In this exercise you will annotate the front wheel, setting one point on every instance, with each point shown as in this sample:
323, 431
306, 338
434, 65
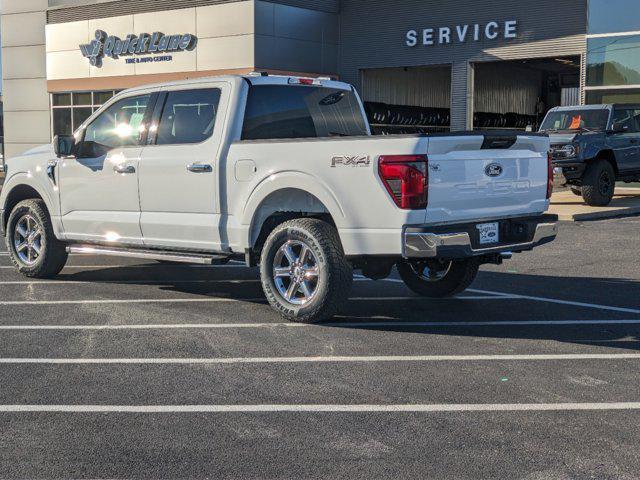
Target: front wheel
439, 279
598, 184
32, 245
305, 275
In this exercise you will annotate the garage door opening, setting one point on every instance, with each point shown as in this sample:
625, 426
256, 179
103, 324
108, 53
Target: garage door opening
407, 100
517, 94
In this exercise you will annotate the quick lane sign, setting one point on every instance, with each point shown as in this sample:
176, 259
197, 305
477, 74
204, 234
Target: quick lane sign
142, 44
462, 33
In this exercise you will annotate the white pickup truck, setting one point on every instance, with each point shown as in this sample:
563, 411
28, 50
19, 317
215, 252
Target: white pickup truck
283, 172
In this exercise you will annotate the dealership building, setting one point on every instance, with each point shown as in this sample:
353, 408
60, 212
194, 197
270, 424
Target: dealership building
471, 63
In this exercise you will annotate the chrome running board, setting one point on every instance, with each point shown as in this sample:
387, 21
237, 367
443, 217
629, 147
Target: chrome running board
167, 256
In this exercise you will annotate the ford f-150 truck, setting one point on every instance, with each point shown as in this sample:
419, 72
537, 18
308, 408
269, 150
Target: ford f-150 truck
284, 173
593, 146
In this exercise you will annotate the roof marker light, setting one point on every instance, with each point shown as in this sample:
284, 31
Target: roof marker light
304, 81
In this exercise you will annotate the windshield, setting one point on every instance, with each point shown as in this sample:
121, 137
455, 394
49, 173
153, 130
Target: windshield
578, 120
286, 111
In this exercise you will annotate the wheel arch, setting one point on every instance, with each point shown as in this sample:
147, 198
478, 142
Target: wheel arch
18, 193
283, 205
292, 194
609, 156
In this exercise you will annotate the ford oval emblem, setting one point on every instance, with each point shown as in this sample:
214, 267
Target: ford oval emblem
493, 170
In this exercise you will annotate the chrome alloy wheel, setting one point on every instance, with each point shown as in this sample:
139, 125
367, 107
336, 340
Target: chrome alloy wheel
295, 272
431, 271
27, 240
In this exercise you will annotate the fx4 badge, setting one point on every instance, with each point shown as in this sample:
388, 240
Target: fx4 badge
346, 161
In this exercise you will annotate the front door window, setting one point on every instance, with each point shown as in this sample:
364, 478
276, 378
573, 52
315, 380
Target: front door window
120, 125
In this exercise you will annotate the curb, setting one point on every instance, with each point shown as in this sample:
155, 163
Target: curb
581, 217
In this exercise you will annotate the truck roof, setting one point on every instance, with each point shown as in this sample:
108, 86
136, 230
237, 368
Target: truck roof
582, 107
257, 78
604, 106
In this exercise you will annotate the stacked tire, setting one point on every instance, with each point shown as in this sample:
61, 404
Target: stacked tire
387, 119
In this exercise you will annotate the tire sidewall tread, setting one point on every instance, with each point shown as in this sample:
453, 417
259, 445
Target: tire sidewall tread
335, 273
459, 277
590, 191
53, 256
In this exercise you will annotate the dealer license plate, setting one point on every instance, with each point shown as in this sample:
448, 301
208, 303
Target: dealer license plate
489, 233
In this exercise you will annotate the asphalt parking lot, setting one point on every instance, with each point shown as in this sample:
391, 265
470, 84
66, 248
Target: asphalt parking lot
121, 369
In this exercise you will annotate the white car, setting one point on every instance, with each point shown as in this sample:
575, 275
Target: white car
283, 172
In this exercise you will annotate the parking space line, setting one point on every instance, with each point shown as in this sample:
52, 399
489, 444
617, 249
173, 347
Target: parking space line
560, 302
515, 296
402, 408
131, 300
485, 294
382, 324
156, 326
329, 359
481, 324
6, 303
126, 282
144, 265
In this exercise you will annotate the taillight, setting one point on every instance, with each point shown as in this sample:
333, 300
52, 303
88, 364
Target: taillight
549, 175
406, 179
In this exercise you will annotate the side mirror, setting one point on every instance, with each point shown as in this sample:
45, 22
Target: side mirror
618, 127
64, 145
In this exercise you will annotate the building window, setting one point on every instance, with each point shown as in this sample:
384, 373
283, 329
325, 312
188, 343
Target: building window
613, 61
596, 97
614, 16
70, 109
613, 52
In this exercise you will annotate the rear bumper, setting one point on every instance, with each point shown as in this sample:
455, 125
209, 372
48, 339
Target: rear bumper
461, 241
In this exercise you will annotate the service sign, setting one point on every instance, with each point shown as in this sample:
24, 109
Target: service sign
136, 46
493, 30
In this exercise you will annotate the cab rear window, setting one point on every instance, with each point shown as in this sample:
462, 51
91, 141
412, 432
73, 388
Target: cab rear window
287, 111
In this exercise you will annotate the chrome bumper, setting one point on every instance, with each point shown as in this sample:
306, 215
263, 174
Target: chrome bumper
459, 245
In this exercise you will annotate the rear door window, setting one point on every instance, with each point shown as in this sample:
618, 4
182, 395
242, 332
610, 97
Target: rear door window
287, 111
188, 116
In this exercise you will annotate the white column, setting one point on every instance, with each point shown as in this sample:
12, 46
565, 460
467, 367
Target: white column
462, 93
24, 79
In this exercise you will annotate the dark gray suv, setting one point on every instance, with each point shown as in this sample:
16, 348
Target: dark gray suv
594, 146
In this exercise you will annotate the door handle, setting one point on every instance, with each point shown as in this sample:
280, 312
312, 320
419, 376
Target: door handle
199, 168
634, 140
124, 169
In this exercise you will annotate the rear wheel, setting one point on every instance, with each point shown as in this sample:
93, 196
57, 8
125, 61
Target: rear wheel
304, 272
32, 245
439, 279
598, 184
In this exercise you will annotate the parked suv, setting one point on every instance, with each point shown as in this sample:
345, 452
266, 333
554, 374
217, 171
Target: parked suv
594, 146
283, 172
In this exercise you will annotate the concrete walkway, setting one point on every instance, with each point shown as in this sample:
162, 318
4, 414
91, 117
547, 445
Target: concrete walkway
571, 208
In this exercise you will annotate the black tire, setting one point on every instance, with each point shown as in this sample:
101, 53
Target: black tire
598, 183
52, 257
576, 191
452, 277
334, 274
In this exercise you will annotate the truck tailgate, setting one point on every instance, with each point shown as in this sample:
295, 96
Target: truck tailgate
477, 177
